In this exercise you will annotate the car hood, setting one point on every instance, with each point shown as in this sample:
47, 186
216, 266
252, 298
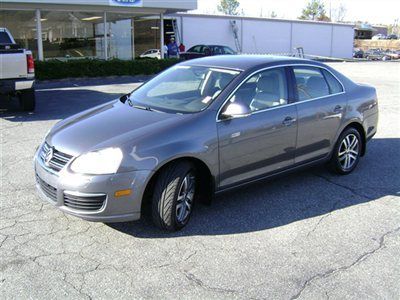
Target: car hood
112, 124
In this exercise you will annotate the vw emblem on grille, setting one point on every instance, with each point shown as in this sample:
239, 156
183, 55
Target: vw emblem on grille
48, 156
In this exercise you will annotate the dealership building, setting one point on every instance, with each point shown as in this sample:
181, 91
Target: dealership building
123, 29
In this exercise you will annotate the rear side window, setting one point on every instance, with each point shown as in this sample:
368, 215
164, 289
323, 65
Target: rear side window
310, 83
228, 50
334, 85
4, 38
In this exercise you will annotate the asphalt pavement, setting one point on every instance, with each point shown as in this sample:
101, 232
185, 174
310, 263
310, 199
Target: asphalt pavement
309, 235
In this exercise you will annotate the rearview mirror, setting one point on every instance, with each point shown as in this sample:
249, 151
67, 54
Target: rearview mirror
236, 110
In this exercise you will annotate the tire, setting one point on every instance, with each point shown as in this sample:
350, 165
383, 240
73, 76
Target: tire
344, 157
27, 100
172, 205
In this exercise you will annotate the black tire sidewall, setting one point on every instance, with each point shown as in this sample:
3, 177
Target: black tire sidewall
27, 100
335, 163
171, 177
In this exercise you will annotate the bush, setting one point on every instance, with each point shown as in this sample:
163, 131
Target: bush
55, 69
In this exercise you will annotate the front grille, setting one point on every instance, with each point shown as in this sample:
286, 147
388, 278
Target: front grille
58, 159
47, 189
86, 202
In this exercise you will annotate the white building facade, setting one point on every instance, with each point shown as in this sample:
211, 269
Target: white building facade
268, 36
123, 29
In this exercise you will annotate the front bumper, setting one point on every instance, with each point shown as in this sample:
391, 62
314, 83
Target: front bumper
55, 187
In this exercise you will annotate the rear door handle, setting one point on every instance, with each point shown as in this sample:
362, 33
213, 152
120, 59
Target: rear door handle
288, 121
338, 109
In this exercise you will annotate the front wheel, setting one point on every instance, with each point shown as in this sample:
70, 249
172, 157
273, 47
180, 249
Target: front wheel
173, 196
347, 152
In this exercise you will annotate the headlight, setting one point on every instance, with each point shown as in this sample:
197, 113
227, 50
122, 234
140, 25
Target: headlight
105, 161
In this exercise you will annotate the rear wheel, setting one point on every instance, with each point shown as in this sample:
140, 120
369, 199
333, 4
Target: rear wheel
173, 197
27, 100
346, 154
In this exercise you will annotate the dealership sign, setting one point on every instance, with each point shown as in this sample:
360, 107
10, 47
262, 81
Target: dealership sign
126, 2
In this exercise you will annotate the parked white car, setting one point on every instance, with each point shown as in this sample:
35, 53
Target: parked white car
151, 53
17, 71
379, 36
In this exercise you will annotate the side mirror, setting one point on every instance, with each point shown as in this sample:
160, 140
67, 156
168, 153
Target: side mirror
236, 110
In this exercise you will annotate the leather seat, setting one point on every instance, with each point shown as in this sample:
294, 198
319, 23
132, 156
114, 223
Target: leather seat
316, 87
222, 82
267, 93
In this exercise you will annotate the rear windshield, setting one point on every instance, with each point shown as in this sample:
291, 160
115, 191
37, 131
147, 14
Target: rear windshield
4, 38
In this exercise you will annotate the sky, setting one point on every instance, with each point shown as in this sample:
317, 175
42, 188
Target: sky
372, 11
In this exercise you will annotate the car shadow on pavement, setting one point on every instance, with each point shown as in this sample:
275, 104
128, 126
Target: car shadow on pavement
299, 196
55, 105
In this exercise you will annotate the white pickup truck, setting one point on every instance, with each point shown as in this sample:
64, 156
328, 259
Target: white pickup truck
17, 71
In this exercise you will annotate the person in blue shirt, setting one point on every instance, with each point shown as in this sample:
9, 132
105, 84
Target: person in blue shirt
173, 49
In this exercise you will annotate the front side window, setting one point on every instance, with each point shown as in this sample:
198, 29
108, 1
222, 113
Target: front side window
264, 90
216, 50
195, 49
182, 89
310, 83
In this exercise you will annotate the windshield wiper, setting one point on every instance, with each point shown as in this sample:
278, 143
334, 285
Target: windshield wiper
148, 108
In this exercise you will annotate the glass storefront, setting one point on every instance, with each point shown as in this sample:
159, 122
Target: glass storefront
76, 35
120, 45
69, 35
147, 33
22, 25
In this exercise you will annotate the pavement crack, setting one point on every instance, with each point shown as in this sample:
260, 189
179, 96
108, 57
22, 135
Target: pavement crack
334, 207
358, 260
198, 282
353, 191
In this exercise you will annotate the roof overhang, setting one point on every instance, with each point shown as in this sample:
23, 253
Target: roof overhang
140, 7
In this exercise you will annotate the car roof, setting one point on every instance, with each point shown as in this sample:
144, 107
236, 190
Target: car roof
245, 62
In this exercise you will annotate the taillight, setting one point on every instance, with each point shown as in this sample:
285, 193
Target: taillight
30, 63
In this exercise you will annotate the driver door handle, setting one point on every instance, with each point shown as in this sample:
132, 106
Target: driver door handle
288, 121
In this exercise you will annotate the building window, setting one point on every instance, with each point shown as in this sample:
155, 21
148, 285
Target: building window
22, 25
72, 35
147, 34
121, 36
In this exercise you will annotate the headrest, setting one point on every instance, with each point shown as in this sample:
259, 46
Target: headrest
223, 81
268, 83
300, 80
317, 85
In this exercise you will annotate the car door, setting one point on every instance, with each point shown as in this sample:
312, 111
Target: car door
263, 141
321, 102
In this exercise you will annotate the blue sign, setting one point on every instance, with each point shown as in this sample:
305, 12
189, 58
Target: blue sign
126, 2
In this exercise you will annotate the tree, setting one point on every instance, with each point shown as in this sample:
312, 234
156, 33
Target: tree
229, 7
340, 13
315, 10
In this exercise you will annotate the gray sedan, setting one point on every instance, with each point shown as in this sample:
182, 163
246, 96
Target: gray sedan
200, 128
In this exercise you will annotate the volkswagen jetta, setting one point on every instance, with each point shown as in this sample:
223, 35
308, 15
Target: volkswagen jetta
203, 127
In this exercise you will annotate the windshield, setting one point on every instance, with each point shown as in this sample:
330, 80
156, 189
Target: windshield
182, 89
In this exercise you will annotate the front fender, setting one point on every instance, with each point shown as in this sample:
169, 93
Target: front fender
154, 158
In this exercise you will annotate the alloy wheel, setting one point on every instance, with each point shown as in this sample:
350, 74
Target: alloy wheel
349, 151
185, 198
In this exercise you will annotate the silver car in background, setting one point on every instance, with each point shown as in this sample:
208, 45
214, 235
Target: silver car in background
199, 128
